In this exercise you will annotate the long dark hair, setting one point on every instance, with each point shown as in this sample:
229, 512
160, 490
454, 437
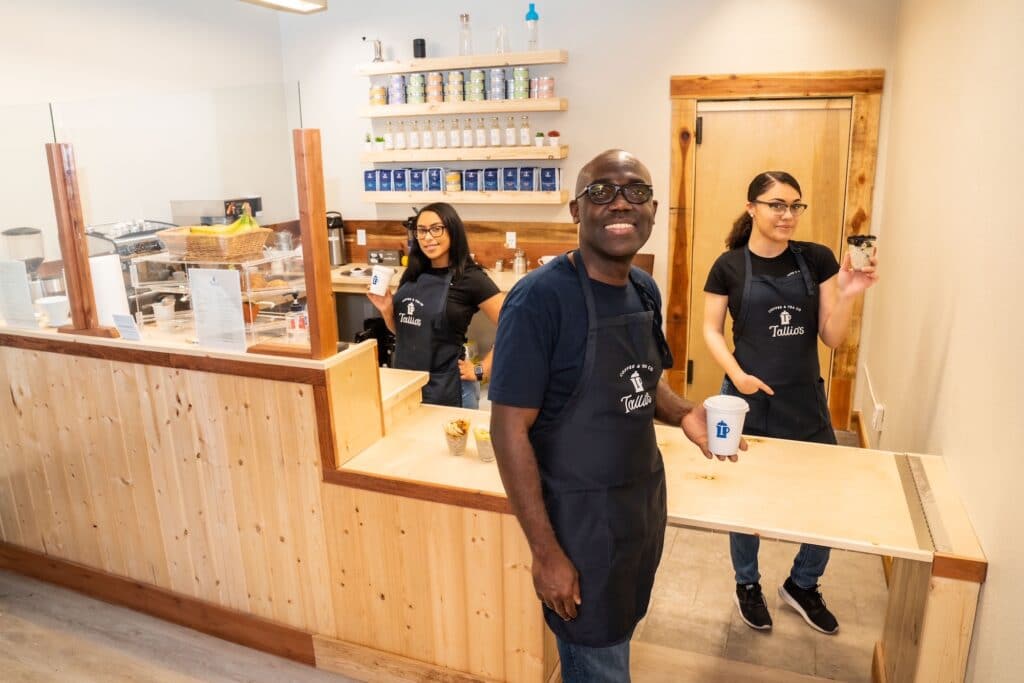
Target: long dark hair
744, 225
458, 253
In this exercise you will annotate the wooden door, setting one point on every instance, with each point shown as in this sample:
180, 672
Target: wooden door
809, 138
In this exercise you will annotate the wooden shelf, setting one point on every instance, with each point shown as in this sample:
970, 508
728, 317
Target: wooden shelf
380, 111
467, 154
421, 198
468, 62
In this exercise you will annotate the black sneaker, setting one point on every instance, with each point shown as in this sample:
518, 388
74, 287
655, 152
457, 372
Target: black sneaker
753, 608
810, 605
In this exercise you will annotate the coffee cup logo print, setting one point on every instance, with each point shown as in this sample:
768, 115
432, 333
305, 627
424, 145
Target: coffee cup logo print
785, 317
638, 384
410, 309
722, 430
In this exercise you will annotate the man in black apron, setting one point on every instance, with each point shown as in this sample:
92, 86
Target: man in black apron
575, 389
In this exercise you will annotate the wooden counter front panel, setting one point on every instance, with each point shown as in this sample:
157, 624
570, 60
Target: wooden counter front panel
450, 586
204, 484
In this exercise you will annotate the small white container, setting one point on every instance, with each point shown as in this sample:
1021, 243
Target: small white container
57, 309
381, 279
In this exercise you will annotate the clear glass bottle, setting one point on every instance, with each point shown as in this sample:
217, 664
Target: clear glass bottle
495, 132
414, 135
428, 135
465, 36
455, 135
389, 137
400, 136
468, 138
481, 133
532, 28
441, 139
525, 138
511, 135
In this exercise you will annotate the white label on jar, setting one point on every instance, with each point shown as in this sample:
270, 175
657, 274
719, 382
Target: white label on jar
442, 139
414, 140
467, 137
399, 140
524, 136
389, 141
510, 137
481, 137
428, 139
455, 137
495, 137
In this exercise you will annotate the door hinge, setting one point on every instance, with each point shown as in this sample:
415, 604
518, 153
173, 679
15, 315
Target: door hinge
689, 372
699, 133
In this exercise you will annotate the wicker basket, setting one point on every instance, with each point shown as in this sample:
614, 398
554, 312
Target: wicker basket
182, 243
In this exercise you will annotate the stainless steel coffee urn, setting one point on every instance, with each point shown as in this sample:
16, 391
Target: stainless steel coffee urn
336, 239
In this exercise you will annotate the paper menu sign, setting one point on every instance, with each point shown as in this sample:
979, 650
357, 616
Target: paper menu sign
217, 307
16, 307
126, 327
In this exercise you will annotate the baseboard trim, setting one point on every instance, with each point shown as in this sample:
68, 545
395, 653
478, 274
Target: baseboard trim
227, 624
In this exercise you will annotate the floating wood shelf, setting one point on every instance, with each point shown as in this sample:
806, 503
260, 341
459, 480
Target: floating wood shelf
421, 198
467, 154
406, 66
380, 111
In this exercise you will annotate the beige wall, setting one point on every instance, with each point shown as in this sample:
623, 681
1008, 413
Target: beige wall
945, 327
620, 61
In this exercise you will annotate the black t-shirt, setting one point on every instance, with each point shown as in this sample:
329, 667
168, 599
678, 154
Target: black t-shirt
464, 298
726, 276
542, 334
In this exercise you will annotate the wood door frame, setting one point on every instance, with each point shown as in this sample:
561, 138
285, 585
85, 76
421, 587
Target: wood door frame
864, 87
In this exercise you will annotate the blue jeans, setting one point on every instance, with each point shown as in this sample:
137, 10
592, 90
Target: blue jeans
808, 566
470, 394
582, 664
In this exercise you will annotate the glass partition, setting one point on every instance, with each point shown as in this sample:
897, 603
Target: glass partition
26, 200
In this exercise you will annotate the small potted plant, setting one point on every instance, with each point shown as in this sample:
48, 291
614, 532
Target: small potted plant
554, 138
368, 143
378, 143
539, 139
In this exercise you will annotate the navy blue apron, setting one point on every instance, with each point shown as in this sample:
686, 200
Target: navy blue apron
776, 337
603, 478
422, 341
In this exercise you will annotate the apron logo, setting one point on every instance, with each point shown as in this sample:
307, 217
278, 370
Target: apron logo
407, 318
411, 308
639, 397
784, 328
721, 430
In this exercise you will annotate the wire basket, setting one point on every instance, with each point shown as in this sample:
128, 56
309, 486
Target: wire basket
182, 243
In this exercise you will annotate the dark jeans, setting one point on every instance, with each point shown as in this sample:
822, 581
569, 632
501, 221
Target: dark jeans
582, 664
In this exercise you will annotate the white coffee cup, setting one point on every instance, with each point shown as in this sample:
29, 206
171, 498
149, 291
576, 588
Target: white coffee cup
725, 423
57, 309
381, 280
862, 249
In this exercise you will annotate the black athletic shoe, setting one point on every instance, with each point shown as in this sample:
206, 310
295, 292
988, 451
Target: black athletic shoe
810, 605
753, 608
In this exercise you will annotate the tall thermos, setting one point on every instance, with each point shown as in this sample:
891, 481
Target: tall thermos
336, 238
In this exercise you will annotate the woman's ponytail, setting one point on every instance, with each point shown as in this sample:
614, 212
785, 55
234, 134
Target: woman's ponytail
740, 233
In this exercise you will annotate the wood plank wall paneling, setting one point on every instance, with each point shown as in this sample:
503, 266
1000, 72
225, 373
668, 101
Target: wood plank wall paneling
448, 585
204, 484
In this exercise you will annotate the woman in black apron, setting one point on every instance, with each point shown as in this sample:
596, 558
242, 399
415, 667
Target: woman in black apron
439, 292
782, 295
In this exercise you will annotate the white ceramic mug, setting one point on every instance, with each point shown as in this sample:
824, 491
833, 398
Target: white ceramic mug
381, 280
57, 309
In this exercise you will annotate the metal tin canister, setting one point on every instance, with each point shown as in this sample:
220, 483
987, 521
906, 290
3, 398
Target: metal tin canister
378, 95
521, 72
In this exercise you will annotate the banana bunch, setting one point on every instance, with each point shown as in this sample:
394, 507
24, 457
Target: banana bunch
245, 223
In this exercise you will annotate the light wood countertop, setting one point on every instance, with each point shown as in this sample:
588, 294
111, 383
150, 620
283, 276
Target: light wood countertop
357, 284
842, 497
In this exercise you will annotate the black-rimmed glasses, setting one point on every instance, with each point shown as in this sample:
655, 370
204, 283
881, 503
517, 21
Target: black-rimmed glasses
435, 230
604, 193
779, 208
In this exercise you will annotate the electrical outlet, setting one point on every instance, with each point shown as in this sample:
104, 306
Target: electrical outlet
510, 240
878, 417
361, 238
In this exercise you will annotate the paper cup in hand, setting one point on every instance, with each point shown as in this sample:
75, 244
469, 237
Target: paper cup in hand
484, 447
381, 280
862, 248
457, 434
725, 423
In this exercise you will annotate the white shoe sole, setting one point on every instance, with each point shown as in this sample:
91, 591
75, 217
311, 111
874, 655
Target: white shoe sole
736, 599
791, 601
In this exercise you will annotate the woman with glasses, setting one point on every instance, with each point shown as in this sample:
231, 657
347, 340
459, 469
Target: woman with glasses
783, 295
439, 292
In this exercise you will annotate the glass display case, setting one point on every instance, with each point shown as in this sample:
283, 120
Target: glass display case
273, 296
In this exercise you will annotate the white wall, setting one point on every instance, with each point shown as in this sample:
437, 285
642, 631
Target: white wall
111, 54
945, 327
617, 78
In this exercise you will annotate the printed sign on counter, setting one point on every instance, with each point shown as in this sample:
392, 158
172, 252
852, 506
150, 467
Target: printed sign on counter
217, 305
126, 327
15, 299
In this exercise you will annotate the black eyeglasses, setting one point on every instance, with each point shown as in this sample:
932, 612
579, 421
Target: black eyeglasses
435, 230
779, 208
604, 193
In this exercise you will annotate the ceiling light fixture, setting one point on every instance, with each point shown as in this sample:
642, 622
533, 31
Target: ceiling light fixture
297, 6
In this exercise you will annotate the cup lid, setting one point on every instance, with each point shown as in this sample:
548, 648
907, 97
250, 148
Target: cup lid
726, 403
860, 239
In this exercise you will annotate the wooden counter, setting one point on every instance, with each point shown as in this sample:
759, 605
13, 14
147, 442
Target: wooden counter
311, 509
